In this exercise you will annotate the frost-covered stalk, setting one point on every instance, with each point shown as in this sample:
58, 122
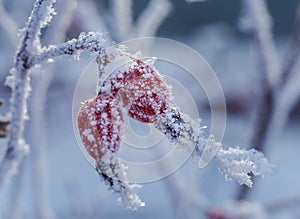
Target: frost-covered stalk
257, 21
122, 18
16, 147
234, 163
152, 17
112, 172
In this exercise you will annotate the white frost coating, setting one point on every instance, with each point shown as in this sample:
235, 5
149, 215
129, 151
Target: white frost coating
28, 55
112, 171
152, 17
235, 163
91, 41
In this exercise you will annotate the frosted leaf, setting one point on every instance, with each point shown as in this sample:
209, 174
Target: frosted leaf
112, 171
238, 164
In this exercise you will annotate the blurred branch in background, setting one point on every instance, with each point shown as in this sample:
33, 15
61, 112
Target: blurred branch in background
152, 17
121, 12
60, 27
257, 21
274, 78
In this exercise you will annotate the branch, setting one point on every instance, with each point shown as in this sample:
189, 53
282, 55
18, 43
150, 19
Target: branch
16, 147
91, 41
25, 59
122, 14
152, 17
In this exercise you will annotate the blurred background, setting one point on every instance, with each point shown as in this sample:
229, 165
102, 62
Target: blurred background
56, 181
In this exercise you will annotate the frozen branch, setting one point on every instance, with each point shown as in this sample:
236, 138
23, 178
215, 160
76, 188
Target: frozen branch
112, 171
234, 163
26, 58
16, 147
122, 14
91, 41
152, 17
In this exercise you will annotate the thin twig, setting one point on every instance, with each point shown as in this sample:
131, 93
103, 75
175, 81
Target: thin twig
91, 41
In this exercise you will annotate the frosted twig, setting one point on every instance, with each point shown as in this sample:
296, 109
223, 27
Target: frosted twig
91, 41
235, 163
112, 171
16, 147
122, 18
41, 15
152, 17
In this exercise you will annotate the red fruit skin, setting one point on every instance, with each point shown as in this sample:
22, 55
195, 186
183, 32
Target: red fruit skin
98, 127
140, 90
